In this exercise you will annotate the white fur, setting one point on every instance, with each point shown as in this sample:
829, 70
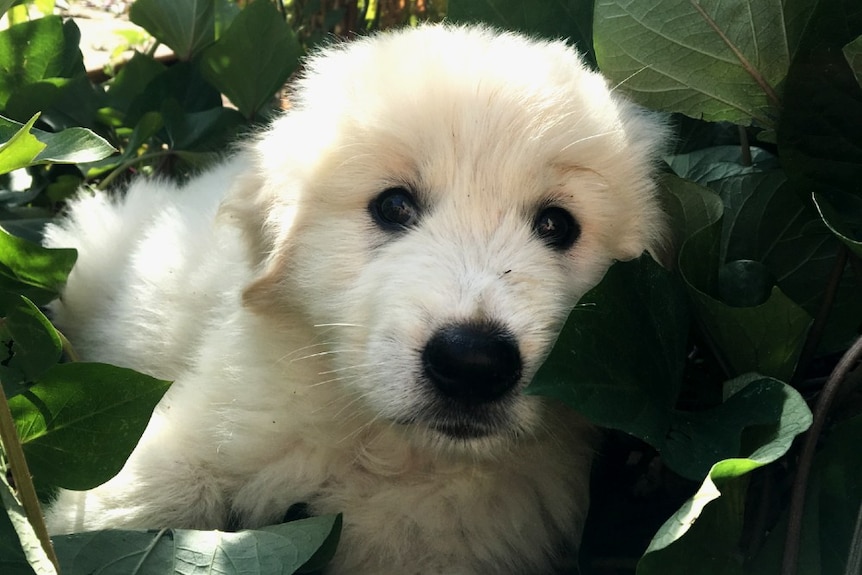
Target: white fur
292, 325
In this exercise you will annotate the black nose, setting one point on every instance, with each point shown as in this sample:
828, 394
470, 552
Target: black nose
472, 363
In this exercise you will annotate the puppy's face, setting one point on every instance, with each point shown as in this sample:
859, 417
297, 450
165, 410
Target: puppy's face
437, 202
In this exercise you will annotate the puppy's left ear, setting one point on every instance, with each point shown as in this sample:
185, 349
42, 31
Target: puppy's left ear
265, 219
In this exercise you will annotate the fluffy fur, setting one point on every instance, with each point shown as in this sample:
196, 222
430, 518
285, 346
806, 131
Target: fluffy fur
295, 326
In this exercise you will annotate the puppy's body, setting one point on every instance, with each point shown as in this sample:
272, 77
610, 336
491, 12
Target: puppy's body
311, 326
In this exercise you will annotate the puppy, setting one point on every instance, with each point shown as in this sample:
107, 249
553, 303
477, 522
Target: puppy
351, 306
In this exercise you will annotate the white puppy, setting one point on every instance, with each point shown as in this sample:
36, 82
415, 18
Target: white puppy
351, 306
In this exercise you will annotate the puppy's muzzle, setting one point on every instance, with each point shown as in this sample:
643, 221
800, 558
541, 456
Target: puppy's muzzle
472, 364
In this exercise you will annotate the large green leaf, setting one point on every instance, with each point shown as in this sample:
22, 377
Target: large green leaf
282, 549
765, 222
820, 136
185, 26
253, 58
620, 356
707, 59
703, 536
554, 19
766, 338
31, 270
29, 52
80, 421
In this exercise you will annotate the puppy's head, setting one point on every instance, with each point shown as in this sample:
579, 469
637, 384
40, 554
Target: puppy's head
439, 198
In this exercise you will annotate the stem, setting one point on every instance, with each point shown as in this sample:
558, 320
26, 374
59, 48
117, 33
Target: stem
800, 484
104, 184
815, 335
23, 481
744, 147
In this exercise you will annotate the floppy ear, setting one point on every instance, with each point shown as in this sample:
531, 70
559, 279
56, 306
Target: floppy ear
265, 219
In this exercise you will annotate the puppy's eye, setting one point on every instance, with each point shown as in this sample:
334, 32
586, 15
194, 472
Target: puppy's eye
394, 209
557, 228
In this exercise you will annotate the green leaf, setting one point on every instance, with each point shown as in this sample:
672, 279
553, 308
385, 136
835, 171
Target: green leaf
620, 356
253, 58
710, 164
62, 102
280, 549
80, 421
29, 52
186, 27
843, 217
20, 147
766, 222
131, 81
21, 551
31, 270
833, 498
820, 136
571, 19
853, 55
34, 345
70, 146
690, 206
766, 338
208, 130
707, 59
697, 440
703, 536
320, 534
182, 82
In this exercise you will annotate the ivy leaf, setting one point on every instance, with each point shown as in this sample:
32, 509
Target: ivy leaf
253, 58
31, 51
79, 422
185, 27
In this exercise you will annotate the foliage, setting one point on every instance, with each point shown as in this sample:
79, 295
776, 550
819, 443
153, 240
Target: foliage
703, 373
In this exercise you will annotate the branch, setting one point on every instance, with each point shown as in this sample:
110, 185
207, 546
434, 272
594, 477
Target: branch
23, 481
800, 484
